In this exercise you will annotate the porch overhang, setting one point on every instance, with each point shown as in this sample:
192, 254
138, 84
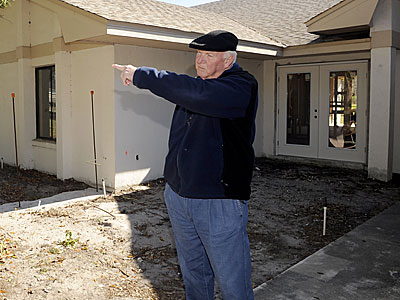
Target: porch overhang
346, 16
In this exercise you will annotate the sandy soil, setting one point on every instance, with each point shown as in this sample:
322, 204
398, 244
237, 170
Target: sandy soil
122, 247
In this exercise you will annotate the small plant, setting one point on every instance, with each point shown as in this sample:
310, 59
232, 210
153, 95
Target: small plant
5, 3
54, 250
69, 241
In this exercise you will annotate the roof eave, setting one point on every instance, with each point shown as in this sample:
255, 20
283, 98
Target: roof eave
167, 36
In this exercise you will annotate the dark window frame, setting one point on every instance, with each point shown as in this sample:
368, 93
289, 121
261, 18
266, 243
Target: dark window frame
52, 112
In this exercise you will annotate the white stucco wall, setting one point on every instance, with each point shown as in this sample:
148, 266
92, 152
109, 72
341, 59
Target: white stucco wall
256, 68
143, 120
8, 85
8, 29
25, 24
91, 70
41, 27
44, 26
45, 157
396, 134
269, 113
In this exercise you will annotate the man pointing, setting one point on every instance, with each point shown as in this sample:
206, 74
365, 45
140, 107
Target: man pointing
209, 165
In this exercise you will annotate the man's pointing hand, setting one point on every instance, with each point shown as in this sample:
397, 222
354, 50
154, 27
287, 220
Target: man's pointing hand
127, 73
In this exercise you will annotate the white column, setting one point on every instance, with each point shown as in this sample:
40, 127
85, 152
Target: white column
381, 123
63, 114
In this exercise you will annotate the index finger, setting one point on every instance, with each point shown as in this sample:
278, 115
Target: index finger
119, 67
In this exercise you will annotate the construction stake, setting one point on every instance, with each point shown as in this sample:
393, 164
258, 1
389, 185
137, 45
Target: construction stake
15, 131
16, 147
94, 142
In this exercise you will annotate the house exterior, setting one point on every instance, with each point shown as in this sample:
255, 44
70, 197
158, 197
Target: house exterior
327, 81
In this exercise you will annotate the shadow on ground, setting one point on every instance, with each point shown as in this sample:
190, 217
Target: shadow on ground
133, 238
285, 218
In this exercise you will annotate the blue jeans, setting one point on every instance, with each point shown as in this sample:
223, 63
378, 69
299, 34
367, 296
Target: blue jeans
211, 241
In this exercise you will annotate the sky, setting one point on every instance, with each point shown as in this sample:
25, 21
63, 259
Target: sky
187, 2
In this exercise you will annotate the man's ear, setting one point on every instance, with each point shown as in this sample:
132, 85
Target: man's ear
228, 62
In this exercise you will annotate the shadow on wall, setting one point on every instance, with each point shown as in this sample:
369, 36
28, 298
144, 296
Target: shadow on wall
141, 135
145, 104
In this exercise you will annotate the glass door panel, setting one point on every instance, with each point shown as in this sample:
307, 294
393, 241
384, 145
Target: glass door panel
298, 108
298, 111
343, 106
343, 109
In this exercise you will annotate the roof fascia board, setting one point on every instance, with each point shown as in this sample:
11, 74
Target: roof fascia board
160, 34
329, 48
348, 15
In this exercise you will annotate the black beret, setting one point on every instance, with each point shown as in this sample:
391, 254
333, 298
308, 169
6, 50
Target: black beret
217, 40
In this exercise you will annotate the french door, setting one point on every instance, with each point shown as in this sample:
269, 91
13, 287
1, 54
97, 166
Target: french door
322, 111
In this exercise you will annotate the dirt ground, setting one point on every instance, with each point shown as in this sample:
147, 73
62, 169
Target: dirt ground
122, 247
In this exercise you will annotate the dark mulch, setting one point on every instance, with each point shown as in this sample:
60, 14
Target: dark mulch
25, 185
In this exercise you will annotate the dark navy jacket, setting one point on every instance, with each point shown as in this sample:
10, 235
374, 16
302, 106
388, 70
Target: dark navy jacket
212, 131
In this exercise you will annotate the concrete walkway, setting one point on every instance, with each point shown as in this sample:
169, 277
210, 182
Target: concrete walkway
59, 199
364, 264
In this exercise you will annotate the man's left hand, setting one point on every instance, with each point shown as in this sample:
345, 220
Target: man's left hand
127, 73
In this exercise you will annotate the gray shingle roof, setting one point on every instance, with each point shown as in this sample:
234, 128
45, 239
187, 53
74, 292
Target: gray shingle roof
160, 14
281, 20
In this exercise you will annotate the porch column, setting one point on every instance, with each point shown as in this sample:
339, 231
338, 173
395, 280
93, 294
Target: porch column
381, 122
384, 41
64, 110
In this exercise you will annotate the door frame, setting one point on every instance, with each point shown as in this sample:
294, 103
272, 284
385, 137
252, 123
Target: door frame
291, 149
359, 153
320, 149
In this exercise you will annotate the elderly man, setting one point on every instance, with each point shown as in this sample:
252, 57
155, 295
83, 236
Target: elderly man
209, 165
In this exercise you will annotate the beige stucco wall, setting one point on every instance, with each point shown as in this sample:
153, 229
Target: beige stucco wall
22, 25
8, 82
8, 29
142, 120
256, 68
44, 26
8, 85
396, 134
44, 157
269, 113
91, 70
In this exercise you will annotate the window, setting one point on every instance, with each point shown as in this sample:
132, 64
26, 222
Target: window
45, 103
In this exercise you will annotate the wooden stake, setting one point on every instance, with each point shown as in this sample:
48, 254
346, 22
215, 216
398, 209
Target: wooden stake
16, 148
94, 142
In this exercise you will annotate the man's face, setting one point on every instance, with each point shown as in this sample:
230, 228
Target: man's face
210, 64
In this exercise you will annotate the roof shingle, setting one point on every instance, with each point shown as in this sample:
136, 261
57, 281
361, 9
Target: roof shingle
160, 14
280, 20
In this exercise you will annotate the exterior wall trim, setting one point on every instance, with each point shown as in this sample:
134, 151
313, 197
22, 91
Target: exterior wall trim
328, 47
8, 57
386, 38
46, 49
